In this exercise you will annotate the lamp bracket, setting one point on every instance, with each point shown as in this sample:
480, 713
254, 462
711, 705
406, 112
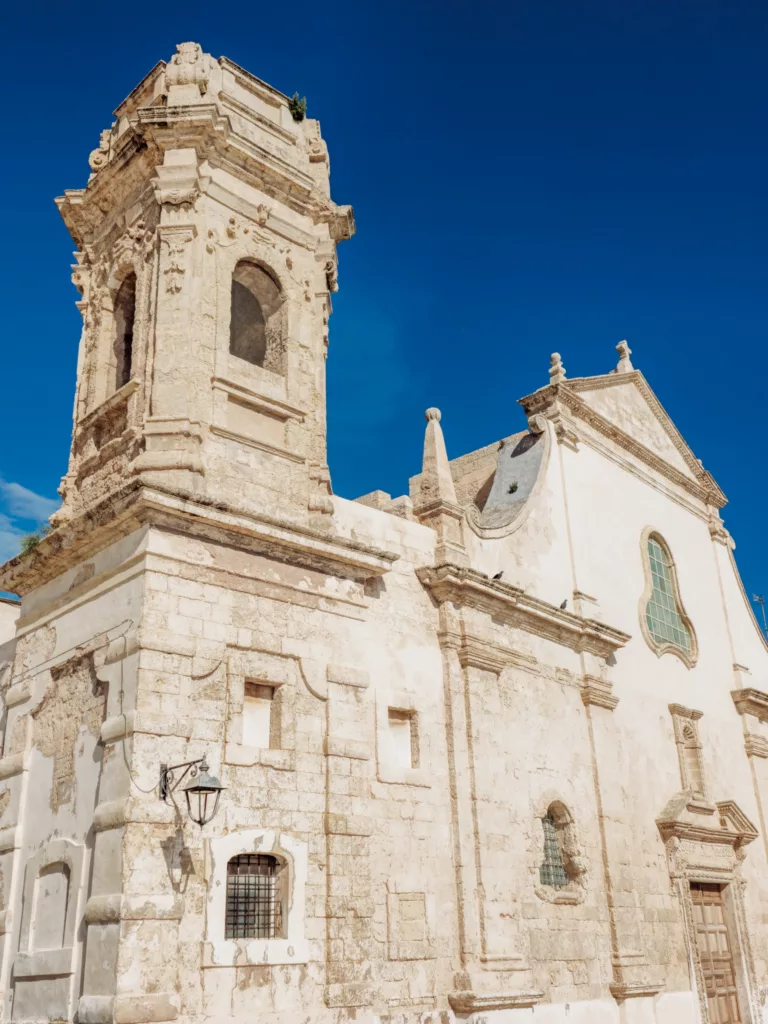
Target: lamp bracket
168, 780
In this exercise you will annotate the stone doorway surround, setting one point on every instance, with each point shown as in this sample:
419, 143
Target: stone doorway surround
706, 843
714, 943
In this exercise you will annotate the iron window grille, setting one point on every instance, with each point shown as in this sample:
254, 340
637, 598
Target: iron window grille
552, 871
253, 908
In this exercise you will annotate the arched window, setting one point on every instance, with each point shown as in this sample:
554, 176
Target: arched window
255, 897
667, 624
552, 871
561, 866
256, 323
125, 314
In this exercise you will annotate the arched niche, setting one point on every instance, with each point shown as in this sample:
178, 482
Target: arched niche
257, 319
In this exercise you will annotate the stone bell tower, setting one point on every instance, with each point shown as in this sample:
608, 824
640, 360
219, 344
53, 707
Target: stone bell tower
207, 255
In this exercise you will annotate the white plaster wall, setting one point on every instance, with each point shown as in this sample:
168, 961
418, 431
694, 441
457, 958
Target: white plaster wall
9, 613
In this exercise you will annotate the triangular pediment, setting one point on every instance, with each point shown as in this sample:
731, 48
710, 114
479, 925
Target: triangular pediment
690, 817
627, 402
735, 820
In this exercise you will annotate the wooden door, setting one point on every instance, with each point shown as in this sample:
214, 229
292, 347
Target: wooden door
715, 953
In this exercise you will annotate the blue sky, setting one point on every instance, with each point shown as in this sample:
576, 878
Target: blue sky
527, 176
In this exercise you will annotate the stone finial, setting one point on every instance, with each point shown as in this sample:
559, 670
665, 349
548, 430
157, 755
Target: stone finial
625, 364
556, 369
436, 480
187, 74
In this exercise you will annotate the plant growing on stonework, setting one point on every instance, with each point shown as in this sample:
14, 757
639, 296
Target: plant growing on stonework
30, 542
298, 107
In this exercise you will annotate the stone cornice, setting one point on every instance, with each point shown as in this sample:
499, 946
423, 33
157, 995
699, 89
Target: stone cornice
208, 130
512, 605
138, 505
473, 1002
621, 990
475, 652
751, 702
552, 400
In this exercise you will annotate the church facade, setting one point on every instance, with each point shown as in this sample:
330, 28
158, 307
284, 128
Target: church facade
493, 751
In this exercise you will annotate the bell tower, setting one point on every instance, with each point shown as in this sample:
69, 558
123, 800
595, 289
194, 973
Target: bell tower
206, 260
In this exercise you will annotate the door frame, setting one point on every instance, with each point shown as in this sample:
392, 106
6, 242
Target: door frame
713, 853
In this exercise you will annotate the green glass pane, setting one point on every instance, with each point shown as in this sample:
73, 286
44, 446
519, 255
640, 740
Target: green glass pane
665, 623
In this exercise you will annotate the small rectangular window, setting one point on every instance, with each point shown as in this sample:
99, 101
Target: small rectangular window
261, 716
403, 738
253, 907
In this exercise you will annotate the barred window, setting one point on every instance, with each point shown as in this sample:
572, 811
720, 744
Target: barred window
664, 616
254, 905
552, 871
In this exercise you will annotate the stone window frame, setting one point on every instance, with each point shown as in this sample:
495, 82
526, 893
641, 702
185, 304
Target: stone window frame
686, 726
294, 948
30, 962
270, 355
398, 700
574, 859
102, 369
660, 648
280, 674
241, 247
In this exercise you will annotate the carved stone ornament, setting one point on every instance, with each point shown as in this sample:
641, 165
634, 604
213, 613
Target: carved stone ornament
177, 196
136, 242
188, 66
316, 148
234, 232
174, 268
556, 369
624, 364
318, 151
100, 157
81, 274
320, 488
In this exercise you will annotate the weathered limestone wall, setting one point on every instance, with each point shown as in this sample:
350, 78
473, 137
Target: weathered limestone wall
442, 674
57, 775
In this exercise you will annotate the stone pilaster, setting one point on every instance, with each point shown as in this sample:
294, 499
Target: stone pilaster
349, 743
485, 980
632, 975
